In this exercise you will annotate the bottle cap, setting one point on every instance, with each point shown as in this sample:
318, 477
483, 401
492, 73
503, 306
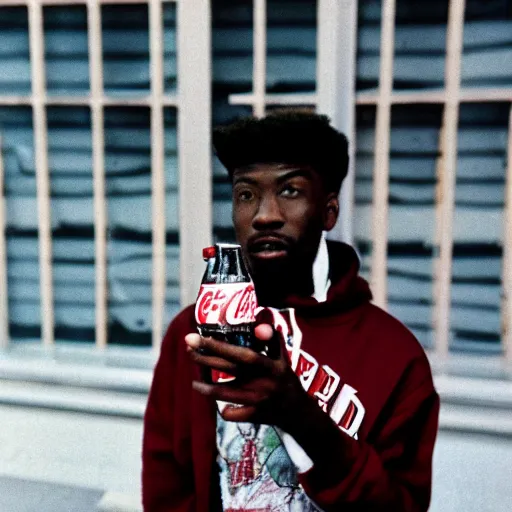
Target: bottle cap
209, 252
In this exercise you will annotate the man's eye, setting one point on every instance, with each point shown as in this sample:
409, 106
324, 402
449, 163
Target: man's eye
245, 195
290, 191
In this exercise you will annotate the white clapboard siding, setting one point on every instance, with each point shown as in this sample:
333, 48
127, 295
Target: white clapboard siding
482, 67
68, 41
476, 294
285, 12
282, 12
128, 292
425, 140
135, 317
415, 224
134, 179
467, 319
120, 250
239, 40
302, 39
420, 168
63, 163
120, 292
125, 212
80, 249
74, 71
139, 269
421, 10
130, 276
477, 34
63, 249
488, 267
488, 194
67, 292
116, 138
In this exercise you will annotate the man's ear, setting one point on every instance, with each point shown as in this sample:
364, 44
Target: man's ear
332, 210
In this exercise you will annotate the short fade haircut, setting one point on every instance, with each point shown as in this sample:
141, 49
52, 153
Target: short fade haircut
294, 137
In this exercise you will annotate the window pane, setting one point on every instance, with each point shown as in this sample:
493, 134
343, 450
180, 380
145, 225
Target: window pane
128, 188
363, 191
487, 60
14, 51
170, 71
172, 297
420, 61
478, 228
232, 40
412, 194
125, 49
368, 45
412, 184
22, 224
130, 250
66, 50
72, 212
291, 42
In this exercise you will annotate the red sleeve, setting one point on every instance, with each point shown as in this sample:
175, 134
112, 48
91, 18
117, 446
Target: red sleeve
167, 475
392, 470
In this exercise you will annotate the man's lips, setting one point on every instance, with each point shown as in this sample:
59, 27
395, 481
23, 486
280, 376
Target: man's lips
268, 247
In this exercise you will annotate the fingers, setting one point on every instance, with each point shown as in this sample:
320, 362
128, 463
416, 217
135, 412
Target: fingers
193, 340
230, 353
264, 332
246, 414
227, 393
216, 363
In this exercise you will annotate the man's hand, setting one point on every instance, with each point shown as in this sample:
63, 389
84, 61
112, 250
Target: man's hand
267, 389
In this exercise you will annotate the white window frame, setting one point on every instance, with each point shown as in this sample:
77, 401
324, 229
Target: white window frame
335, 96
193, 103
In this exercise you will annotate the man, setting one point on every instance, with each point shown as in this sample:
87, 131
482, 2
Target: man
345, 419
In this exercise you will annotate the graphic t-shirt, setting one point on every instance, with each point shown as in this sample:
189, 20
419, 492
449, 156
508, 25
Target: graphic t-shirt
256, 472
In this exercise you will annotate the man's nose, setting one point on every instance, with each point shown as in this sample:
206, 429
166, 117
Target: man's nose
269, 214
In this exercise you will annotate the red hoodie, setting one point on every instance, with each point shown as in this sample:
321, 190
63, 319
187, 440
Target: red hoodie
369, 374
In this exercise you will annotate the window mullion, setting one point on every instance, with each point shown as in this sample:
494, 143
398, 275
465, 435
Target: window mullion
380, 211
194, 141
37, 65
4, 303
157, 169
445, 198
336, 70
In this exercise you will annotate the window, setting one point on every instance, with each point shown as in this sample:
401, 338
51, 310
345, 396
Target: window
111, 190
97, 217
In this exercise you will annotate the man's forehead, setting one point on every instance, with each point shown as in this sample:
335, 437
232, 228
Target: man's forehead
274, 169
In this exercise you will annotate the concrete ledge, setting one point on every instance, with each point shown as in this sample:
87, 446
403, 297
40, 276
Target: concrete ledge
120, 502
61, 398
468, 404
475, 420
53, 372
474, 392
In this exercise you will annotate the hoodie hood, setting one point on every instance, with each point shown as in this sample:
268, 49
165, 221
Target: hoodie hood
347, 291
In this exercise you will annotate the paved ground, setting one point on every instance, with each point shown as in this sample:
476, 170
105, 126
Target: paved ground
28, 496
88, 454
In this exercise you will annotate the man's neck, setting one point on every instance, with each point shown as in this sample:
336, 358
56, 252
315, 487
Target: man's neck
272, 291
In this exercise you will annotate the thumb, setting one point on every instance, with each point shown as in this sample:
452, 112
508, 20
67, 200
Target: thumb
273, 340
264, 332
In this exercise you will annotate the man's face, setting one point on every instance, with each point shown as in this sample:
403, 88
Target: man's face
279, 213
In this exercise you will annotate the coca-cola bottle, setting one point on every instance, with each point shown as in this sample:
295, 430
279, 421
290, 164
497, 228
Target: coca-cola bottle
226, 304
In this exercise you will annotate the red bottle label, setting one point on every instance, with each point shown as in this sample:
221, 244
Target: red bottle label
226, 304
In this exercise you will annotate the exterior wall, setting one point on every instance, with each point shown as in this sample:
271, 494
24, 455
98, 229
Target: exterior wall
291, 68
